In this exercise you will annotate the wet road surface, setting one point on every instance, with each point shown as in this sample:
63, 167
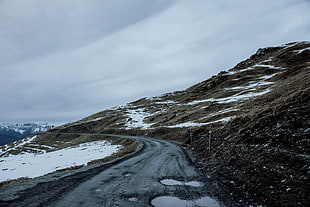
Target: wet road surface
134, 181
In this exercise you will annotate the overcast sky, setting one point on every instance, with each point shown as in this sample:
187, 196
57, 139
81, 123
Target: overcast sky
62, 60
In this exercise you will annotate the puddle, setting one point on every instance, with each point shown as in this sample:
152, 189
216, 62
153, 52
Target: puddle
170, 201
133, 199
176, 182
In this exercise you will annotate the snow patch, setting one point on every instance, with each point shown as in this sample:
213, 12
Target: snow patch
221, 112
199, 101
34, 165
226, 119
234, 98
254, 67
240, 97
266, 77
165, 102
23, 142
194, 124
135, 119
301, 50
186, 124
268, 66
251, 86
92, 120
176, 182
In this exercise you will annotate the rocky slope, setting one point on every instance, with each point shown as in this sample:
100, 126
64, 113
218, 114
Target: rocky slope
248, 127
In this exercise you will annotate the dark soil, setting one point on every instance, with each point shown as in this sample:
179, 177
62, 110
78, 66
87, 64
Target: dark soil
262, 157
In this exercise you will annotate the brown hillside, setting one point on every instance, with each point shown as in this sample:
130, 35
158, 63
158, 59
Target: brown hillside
249, 127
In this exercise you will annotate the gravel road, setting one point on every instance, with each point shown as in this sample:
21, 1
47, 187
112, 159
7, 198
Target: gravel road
134, 181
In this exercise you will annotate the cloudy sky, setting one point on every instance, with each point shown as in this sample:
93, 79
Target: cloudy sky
61, 60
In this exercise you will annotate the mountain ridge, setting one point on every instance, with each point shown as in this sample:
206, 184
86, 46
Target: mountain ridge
255, 80
10, 132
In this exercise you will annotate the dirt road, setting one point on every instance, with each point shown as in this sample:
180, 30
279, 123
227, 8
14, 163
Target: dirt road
159, 175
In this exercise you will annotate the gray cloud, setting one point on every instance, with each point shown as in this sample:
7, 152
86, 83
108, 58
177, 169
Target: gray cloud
35, 28
68, 59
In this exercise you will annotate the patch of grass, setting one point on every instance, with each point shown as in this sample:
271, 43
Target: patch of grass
9, 182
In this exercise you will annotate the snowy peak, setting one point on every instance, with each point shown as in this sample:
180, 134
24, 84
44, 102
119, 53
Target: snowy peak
21, 129
11, 132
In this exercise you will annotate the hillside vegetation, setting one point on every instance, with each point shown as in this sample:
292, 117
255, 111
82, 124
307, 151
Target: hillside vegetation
248, 127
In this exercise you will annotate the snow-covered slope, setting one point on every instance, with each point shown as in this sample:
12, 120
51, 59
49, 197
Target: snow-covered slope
40, 162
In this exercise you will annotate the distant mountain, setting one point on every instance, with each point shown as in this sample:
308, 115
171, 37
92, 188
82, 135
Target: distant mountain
10, 132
